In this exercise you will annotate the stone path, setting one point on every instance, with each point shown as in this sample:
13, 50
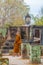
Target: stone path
19, 61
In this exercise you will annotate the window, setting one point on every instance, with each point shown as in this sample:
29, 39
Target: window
37, 33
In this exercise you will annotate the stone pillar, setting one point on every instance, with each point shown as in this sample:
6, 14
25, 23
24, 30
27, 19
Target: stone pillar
8, 37
25, 50
27, 33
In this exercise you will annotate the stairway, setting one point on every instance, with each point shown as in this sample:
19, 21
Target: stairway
7, 46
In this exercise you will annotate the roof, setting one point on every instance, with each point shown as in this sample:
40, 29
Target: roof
36, 26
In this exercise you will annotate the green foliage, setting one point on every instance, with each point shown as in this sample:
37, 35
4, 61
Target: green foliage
3, 31
35, 53
38, 21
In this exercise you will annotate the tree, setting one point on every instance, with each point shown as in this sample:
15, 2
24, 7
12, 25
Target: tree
39, 21
12, 10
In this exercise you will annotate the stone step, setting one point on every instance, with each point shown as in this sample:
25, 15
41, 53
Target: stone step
7, 46
11, 47
5, 51
5, 54
9, 41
